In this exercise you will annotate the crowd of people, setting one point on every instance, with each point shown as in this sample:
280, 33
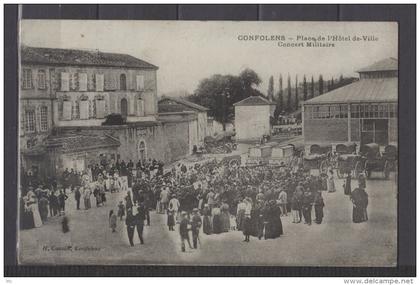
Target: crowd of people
215, 196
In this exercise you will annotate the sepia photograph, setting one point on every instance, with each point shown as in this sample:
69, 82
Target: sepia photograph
225, 143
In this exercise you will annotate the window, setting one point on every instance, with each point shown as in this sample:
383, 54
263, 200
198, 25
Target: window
83, 81
67, 110
65, 81
100, 109
84, 109
99, 80
44, 118
123, 82
30, 121
42, 78
139, 82
140, 107
27, 79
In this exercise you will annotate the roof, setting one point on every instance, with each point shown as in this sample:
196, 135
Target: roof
82, 142
179, 101
365, 90
253, 101
382, 65
56, 56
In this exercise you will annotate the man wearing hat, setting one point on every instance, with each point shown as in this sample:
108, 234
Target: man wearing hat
174, 206
183, 231
195, 226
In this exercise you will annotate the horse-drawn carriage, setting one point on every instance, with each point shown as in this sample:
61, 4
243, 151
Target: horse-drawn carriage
348, 161
377, 162
318, 158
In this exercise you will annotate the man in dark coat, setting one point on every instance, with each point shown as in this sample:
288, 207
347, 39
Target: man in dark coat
360, 200
62, 197
195, 226
183, 231
77, 196
307, 207
319, 207
130, 222
139, 219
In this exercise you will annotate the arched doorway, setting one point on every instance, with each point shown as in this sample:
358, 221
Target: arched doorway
124, 108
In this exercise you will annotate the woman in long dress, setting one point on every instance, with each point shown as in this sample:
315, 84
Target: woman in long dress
207, 227
273, 227
32, 205
217, 221
225, 217
347, 184
240, 215
360, 200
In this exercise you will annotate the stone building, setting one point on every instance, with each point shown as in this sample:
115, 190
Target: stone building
65, 98
362, 112
252, 118
175, 109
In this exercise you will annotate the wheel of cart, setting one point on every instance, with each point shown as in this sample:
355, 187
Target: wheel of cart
359, 168
375, 161
347, 160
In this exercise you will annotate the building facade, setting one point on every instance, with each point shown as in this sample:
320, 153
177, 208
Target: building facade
65, 98
362, 112
252, 118
174, 109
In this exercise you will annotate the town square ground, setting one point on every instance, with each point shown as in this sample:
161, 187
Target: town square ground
336, 242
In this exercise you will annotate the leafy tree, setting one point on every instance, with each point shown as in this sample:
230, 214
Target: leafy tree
270, 91
305, 89
279, 106
220, 92
321, 85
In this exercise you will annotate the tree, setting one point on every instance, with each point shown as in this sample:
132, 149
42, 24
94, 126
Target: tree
279, 106
312, 87
296, 94
321, 85
270, 91
220, 92
289, 94
305, 89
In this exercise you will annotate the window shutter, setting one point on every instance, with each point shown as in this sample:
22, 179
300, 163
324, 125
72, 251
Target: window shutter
67, 109
99, 78
100, 109
22, 121
84, 110
83, 81
131, 106
139, 82
65, 86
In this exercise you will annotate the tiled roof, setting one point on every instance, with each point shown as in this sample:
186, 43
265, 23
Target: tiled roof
81, 142
56, 56
382, 65
253, 100
365, 90
181, 101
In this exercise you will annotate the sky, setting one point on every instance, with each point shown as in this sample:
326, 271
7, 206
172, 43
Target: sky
189, 51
